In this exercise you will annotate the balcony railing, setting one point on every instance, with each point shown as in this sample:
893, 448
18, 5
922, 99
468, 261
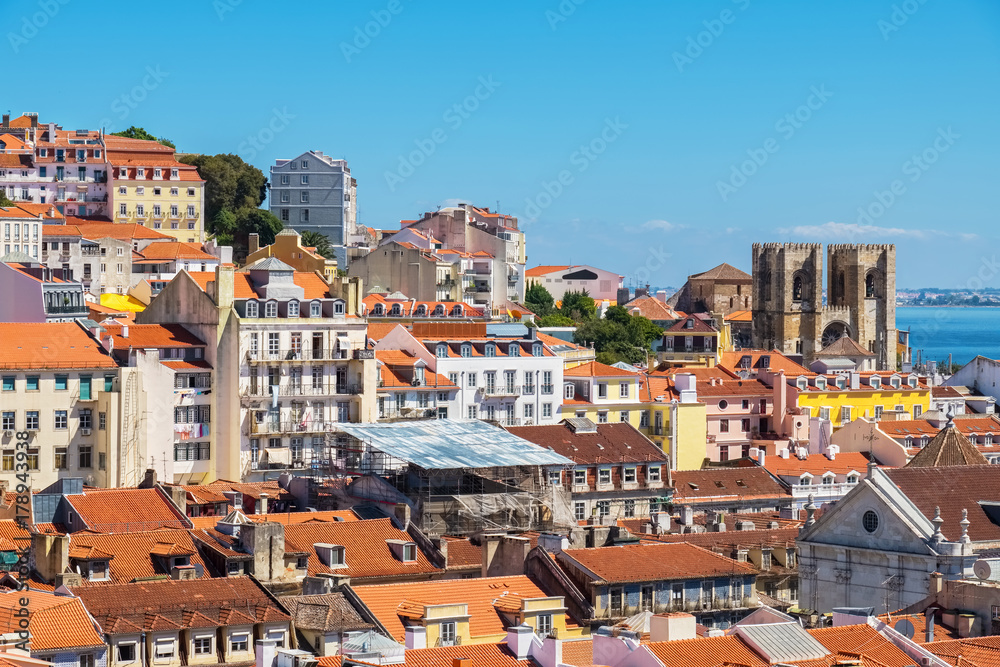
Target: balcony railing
288, 427
308, 354
304, 389
547, 388
501, 390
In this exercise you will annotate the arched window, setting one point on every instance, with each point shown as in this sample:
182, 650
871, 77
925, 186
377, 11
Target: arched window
271, 309
396, 310
442, 350
338, 308
456, 310
252, 309
466, 350
536, 350
514, 350
439, 311
870, 285
378, 310
797, 288
491, 350
315, 309
421, 310
293, 308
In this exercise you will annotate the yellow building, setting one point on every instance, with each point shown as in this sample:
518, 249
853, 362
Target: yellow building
676, 421
288, 248
872, 395
602, 394
150, 187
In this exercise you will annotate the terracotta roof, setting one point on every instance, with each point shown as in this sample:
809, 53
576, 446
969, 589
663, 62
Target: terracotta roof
543, 270
29, 346
612, 443
724, 273
176, 604
706, 652
716, 484
698, 325
119, 231
967, 426
462, 553
776, 362
731, 538
365, 549
817, 464
971, 652
597, 369
919, 621
844, 347
948, 448
16, 160
378, 330
324, 613
953, 489
653, 562
739, 316
193, 365
61, 230
133, 553
478, 655
480, 594
22, 121
653, 309
152, 335
254, 489
56, 621
174, 250
314, 287
118, 510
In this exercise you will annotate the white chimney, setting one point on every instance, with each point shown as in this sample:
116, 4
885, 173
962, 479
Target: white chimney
784, 453
754, 451
671, 627
831, 452
687, 515
266, 652
416, 636
760, 458
124, 331
519, 640
553, 543
802, 453
661, 295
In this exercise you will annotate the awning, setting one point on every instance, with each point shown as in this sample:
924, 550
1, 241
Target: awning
279, 455
343, 343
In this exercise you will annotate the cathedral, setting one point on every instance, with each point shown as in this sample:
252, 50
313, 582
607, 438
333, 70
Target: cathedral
789, 312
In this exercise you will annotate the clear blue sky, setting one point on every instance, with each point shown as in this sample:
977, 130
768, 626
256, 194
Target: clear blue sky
889, 86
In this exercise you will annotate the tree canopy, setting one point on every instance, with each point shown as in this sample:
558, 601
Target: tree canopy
4, 201
140, 133
318, 240
539, 300
578, 306
621, 337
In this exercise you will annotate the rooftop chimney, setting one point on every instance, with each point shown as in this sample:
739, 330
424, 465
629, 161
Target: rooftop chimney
661, 295
124, 331
416, 636
519, 640
671, 627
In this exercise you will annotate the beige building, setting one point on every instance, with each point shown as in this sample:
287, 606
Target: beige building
289, 356
288, 248
415, 272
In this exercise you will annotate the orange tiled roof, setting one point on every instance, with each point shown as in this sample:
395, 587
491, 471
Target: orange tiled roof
30, 346
778, 361
653, 562
133, 553
543, 270
462, 553
653, 309
479, 655
175, 250
612, 443
61, 230
739, 316
817, 464
597, 369
15, 160
119, 231
715, 484
117, 510
253, 489
971, 652
480, 594
22, 121
314, 286
56, 621
366, 552
153, 335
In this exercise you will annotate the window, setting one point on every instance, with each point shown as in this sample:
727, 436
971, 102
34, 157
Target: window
604, 476
102, 420
723, 426
190, 192
305, 164
845, 414
579, 477
472, 380
472, 412
514, 350
490, 350
869, 521
31, 420
305, 179
623, 416
744, 425
447, 634
61, 458
623, 389
602, 417
644, 419
202, 645
544, 624
546, 410
293, 308
284, 179
603, 507
629, 508
86, 418
304, 197
87, 660
164, 649
602, 390
239, 643
271, 309
8, 420
442, 350
568, 391
579, 509
529, 410
126, 652
630, 475
653, 474
86, 456
615, 601
61, 421
61, 382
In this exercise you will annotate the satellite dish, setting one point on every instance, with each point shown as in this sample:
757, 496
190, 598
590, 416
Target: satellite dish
983, 568
905, 628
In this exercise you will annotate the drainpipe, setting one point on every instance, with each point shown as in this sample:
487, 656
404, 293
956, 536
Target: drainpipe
673, 434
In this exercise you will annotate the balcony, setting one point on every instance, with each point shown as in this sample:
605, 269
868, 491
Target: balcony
311, 354
305, 389
501, 390
80, 310
547, 389
408, 413
528, 389
290, 427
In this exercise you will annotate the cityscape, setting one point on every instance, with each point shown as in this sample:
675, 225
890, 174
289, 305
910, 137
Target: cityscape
278, 398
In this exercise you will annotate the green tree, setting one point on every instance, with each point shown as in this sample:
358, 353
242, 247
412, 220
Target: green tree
617, 314
578, 306
555, 320
255, 221
4, 202
230, 183
539, 300
140, 133
314, 239
223, 227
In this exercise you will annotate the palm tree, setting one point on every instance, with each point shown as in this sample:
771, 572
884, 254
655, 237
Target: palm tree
314, 239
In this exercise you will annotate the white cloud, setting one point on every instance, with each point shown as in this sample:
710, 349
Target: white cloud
662, 225
732, 230
849, 231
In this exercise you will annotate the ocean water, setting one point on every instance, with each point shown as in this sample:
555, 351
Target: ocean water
962, 332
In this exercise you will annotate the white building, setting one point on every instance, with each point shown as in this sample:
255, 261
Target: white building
505, 373
558, 280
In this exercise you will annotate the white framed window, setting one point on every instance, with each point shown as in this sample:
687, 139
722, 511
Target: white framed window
446, 634
604, 475
251, 309
271, 309
630, 474
293, 308
164, 648
653, 473
315, 309
568, 391
546, 410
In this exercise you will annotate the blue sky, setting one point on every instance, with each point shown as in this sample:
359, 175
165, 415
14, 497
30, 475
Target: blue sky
656, 139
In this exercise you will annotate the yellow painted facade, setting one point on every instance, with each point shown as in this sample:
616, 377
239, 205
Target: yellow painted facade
173, 207
288, 248
845, 405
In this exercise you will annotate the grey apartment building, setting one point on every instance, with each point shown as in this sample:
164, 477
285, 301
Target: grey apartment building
316, 192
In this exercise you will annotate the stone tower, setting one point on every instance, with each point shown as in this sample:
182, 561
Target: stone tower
788, 310
862, 278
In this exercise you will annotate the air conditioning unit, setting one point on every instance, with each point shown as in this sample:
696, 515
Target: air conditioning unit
85, 431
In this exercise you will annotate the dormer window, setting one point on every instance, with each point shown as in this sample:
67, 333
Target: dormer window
828, 479
805, 480
251, 309
912, 381
456, 311
821, 382
181, 560
490, 350
852, 479
331, 555
338, 308
396, 310
802, 383
514, 350
689, 324
421, 311
536, 350
378, 310
568, 391
875, 381
271, 309
315, 309
466, 350
841, 383
895, 382
98, 570
442, 350
293, 308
